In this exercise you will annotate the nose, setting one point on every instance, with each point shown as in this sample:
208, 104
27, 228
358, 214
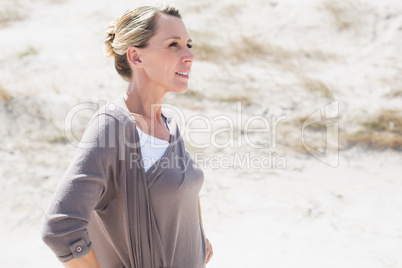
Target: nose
188, 56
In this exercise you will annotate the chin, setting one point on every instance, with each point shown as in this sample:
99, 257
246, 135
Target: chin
180, 90
183, 91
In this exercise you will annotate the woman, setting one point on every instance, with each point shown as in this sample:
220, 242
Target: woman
126, 200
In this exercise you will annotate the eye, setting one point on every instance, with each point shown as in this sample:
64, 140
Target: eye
189, 45
174, 44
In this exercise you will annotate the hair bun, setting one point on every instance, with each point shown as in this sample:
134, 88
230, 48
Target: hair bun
111, 33
134, 28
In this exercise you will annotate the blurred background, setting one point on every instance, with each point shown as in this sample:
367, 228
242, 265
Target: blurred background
329, 193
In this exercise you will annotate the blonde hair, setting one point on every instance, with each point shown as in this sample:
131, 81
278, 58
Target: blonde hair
134, 28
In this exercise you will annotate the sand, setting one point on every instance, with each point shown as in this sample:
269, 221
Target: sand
261, 65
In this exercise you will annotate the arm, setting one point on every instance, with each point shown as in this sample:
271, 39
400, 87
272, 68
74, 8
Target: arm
210, 252
88, 261
200, 215
83, 189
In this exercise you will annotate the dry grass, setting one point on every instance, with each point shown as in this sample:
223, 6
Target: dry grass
237, 98
246, 48
208, 47
231, 10
383, 130
380, 131
289, 136
195, 7
244, 99
207, 52
204, 45
15, 10
11, 10
29, 51
194, 94
343, 12
316, 86
314, 134
395, 94
380, 140
4, 95
388, 120
298, 123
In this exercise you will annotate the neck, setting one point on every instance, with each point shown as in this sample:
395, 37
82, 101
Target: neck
144, 99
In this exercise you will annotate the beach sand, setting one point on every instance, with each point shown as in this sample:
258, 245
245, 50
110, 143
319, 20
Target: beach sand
278, 192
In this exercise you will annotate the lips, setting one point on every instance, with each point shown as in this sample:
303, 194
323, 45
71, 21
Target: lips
183, 74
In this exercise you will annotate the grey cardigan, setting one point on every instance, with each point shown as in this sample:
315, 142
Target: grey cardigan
104, 201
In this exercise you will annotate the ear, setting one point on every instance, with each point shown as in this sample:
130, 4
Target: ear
133, 57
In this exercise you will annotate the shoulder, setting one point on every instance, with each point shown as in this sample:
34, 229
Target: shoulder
110, 122
114, 110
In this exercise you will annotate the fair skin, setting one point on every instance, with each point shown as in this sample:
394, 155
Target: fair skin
161, 67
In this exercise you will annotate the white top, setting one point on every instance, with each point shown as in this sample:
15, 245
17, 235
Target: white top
152, 149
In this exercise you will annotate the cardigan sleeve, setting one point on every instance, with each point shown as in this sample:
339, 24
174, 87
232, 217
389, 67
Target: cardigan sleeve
88, 184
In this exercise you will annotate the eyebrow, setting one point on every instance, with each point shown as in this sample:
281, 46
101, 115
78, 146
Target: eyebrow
178, 38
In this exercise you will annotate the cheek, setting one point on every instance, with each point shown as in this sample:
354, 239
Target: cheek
163, 64
169, 60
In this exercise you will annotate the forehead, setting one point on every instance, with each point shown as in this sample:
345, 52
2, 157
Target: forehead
168, 26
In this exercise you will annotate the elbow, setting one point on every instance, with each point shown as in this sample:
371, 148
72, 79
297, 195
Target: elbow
51, 232
66, 239
48, 237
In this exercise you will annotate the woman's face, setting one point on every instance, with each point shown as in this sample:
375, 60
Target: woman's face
167, 59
